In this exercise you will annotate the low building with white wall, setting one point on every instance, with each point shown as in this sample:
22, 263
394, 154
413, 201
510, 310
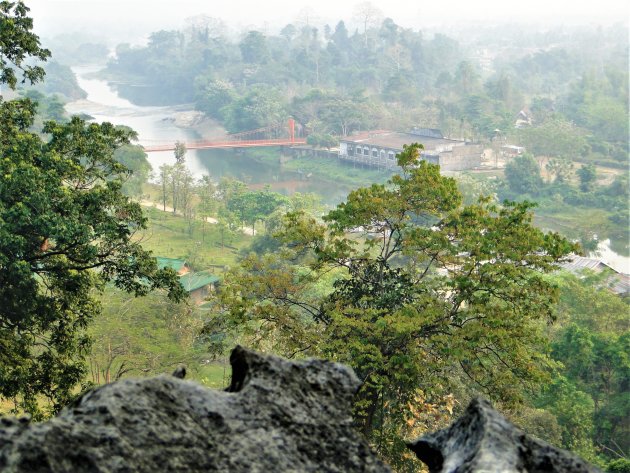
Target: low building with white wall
379, 149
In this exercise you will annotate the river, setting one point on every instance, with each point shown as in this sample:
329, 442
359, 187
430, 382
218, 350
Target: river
154, 124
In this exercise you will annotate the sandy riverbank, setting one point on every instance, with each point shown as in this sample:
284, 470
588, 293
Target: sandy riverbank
206, 127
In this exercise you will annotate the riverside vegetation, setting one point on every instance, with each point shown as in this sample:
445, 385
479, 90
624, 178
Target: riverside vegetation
432, 296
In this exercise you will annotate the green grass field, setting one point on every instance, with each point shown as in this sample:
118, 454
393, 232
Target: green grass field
325, 168
170, 236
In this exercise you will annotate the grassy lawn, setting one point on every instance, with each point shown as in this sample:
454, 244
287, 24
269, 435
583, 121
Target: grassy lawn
575, 222
325, 168
170, 236
338, 171
214, 375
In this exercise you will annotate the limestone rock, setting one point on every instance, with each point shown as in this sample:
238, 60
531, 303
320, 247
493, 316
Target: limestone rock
276, 416
482, 440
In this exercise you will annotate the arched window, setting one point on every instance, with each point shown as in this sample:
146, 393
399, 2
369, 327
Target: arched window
391, 155
357, 151
382, 154
366, 151
375, 153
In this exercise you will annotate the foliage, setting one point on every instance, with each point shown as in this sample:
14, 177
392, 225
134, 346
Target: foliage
254, 48
573, 410
133, 158
49, 107
600, 103
398, 283
322, 140
523, 175
64, 216
588, 176
554, 137
149, 335
17, 43
213, 97
250, 207
561, 168
66, 231
620, 465
260, 107
589, 398
61, 80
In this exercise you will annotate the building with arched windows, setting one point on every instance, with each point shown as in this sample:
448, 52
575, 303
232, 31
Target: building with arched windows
379, 148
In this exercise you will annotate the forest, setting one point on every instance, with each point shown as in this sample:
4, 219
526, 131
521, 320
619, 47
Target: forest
434, 288
570, 85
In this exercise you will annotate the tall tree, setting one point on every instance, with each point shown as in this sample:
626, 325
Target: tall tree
588, 177
180, 152
561, 168
433, 292
254, 48
64, 217
208, 202
523, 175
367, 14
17, 43
134, 158
67, 229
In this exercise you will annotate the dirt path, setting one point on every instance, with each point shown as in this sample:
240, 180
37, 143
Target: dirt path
155, 205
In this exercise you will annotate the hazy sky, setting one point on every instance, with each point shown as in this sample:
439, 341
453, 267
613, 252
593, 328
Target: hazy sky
141, 16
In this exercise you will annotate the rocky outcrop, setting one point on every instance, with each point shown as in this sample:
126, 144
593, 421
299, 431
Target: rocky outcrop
276, 416
482, 440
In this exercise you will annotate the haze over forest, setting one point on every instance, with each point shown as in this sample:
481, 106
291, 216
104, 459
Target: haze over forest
130, 20
434, 194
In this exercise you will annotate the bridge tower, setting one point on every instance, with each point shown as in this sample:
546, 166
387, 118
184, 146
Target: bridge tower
291, 124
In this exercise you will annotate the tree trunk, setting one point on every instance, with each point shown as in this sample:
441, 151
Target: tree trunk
366, 420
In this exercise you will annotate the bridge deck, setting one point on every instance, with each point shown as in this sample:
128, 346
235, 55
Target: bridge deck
228, 144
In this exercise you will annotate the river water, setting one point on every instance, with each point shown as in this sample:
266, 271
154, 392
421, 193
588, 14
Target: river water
155, 125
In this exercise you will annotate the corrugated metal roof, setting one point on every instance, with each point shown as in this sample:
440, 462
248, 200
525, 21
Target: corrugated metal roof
617, 282
428, 132
192, 281
396, 140
620, 284
176, 264
579, 263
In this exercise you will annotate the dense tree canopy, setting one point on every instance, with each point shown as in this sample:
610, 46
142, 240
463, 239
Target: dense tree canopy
17, 43
406, 285
592, 342
523, 175
66, 230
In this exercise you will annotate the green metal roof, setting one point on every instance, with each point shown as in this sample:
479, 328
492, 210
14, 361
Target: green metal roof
192, 281
176, 264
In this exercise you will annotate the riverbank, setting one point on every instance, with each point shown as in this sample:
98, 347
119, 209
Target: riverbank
326, 177
205, 127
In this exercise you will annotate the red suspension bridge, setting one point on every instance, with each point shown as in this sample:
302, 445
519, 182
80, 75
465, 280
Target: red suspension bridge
269, 136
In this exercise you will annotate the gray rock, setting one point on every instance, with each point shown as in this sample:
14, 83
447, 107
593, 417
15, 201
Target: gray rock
482, 440
276, 416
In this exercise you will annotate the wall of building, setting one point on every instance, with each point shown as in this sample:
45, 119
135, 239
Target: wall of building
450, 158
461, 158
370, 155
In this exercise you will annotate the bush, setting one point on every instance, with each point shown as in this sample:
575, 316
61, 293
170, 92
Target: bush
621, 465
